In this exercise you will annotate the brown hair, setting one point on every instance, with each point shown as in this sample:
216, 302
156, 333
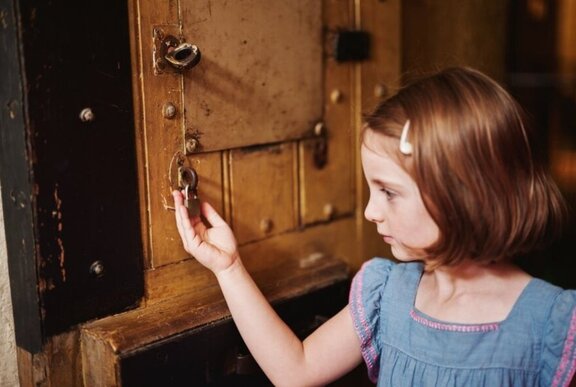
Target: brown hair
489, 194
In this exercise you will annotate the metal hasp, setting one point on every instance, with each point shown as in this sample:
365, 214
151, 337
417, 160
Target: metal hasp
351, 46
183, 56
320, 145
172, 54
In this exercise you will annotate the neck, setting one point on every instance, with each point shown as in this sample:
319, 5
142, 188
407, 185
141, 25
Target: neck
468, 275
471, 292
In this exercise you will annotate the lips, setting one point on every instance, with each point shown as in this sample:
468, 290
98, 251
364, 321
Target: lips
388, 239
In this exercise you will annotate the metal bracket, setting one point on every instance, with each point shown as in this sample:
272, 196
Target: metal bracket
172, 54
351, 46
320, 145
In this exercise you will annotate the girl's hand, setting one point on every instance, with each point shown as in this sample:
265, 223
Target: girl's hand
213, 247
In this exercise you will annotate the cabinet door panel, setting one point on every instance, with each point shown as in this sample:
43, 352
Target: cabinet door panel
326, 192
260, 76
262, 186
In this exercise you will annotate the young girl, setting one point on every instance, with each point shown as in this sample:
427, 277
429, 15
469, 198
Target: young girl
457, 193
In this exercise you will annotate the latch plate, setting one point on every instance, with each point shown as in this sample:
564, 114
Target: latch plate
351, 46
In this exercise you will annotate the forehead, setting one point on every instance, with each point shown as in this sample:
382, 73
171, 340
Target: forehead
380, 166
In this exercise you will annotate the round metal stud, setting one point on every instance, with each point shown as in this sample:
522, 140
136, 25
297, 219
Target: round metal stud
266, 225
191, 145
329, 210
169, 110
380, 91
319, 129
87, 115
97, 269
336, 96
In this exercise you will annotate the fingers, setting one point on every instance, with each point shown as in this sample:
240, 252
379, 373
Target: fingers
192, 230
180, 219
212, 215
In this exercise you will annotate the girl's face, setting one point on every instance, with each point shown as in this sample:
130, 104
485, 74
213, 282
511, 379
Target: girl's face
396, 206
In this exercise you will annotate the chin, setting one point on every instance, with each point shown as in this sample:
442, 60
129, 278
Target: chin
403, 255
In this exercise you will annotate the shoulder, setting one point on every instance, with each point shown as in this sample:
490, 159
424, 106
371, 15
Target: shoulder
562, 317
374, 278
365, 302
380, 269
376, 267
559, 341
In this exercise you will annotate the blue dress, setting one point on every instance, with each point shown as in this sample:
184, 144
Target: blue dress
534, 346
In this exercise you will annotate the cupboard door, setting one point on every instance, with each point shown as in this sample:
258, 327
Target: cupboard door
265, 82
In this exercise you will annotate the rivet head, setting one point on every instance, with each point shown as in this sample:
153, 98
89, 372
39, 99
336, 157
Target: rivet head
169, 110
97, 269
191, 145
266, 225
329, 210
336, 96
87, 115
380, 91
319, 128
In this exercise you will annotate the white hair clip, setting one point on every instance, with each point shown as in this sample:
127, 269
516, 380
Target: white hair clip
405, 146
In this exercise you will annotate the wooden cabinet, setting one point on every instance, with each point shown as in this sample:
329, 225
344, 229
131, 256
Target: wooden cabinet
268, 118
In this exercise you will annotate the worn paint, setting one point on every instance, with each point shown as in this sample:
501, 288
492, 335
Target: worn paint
3, 19
58, 215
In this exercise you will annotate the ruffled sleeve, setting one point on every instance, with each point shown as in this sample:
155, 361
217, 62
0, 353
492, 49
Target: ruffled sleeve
365, 297
559, 343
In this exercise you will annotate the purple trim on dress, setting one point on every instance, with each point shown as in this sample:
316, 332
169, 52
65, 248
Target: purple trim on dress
568, 357
453, 327
367, 346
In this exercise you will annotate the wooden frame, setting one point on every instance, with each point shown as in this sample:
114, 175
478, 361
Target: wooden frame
68, 166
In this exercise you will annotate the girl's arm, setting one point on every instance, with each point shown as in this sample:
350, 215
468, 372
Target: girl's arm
330, 352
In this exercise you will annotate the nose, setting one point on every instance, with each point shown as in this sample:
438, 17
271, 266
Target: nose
372, 213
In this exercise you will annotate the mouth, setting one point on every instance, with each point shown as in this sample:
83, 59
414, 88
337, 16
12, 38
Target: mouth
388, 239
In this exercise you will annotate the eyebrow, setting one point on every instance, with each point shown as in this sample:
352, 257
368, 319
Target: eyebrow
387, 183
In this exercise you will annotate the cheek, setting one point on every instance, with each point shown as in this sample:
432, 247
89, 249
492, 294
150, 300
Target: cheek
430, 232
417, 228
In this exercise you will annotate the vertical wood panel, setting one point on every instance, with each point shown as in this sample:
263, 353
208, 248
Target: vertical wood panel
328, 192
262, 186
160, 138
17, 188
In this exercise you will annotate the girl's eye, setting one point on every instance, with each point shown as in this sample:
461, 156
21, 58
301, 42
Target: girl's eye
389, 194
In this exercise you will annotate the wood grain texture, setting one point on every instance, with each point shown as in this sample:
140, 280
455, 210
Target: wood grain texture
328, 192
262, 191
135, 329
